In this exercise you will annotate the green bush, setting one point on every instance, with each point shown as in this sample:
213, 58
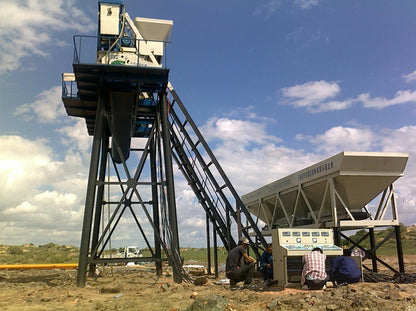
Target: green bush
15, 250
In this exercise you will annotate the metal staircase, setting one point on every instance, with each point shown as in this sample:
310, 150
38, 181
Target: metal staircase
208, 180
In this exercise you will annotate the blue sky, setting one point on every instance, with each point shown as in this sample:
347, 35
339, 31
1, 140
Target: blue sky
274, 86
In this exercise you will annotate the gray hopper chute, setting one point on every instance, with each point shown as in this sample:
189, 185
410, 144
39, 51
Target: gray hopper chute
358, 178
121, 108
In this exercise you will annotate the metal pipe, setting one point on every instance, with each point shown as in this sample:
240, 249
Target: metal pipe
40, 266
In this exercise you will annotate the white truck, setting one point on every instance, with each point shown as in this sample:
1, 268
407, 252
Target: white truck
130, 252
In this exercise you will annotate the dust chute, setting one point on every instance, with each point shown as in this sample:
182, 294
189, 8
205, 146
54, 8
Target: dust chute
121, 122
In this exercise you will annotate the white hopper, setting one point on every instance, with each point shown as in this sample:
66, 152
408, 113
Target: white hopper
154, 29
304, 198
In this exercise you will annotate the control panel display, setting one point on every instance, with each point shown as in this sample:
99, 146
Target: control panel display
306, 239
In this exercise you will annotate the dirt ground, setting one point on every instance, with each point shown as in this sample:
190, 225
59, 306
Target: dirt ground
138, 288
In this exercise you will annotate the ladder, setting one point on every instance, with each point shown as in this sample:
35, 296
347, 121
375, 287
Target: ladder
208, 180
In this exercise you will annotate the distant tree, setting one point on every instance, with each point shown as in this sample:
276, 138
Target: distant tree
15, 250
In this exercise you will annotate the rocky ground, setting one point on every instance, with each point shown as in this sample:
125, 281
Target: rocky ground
138, 288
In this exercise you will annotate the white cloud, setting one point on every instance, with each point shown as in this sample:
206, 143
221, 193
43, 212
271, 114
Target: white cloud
250, 167
410, 77
315, 96
401, 97
402, 140
335, 105
42, 199
245, 146
76, 135
268, 8
38, 191
237, 131
26, 28
340, 138
306, 4
22, 164
24, 208
311, 92
47, 108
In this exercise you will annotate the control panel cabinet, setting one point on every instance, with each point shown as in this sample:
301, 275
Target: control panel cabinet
109, 19
289, 246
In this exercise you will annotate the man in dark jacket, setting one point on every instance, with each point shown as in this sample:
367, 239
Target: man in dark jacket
344, 270
266, 264
236, 269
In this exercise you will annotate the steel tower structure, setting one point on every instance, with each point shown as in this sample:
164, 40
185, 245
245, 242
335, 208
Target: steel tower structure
123, 95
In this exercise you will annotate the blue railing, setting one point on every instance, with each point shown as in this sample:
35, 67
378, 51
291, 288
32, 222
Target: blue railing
87, 49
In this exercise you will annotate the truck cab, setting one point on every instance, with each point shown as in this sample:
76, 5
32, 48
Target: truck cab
130, 252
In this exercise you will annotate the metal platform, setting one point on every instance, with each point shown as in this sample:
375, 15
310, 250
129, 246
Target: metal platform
91, 78
331, 193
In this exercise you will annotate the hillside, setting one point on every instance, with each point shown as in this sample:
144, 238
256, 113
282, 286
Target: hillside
54, 253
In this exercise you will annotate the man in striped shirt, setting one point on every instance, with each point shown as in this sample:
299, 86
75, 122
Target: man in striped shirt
313, 272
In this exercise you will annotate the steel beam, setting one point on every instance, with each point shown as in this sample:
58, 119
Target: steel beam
173, 222
89, 201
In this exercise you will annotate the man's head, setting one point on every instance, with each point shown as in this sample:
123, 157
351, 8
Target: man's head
346, 252
244, 242
269, 248
317, 249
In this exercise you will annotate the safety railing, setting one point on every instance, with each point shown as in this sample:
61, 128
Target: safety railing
69, 86
108, 49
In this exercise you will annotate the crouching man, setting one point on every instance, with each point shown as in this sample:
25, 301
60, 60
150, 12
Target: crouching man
266, 264
236, 269
313, 273
344, 270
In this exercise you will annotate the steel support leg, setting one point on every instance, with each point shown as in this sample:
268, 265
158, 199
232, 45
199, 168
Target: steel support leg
373, 250
208, 245
177, 277
228, 220
215, 251
399, 249
337, 236
89, 201
99, 200
155, 205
